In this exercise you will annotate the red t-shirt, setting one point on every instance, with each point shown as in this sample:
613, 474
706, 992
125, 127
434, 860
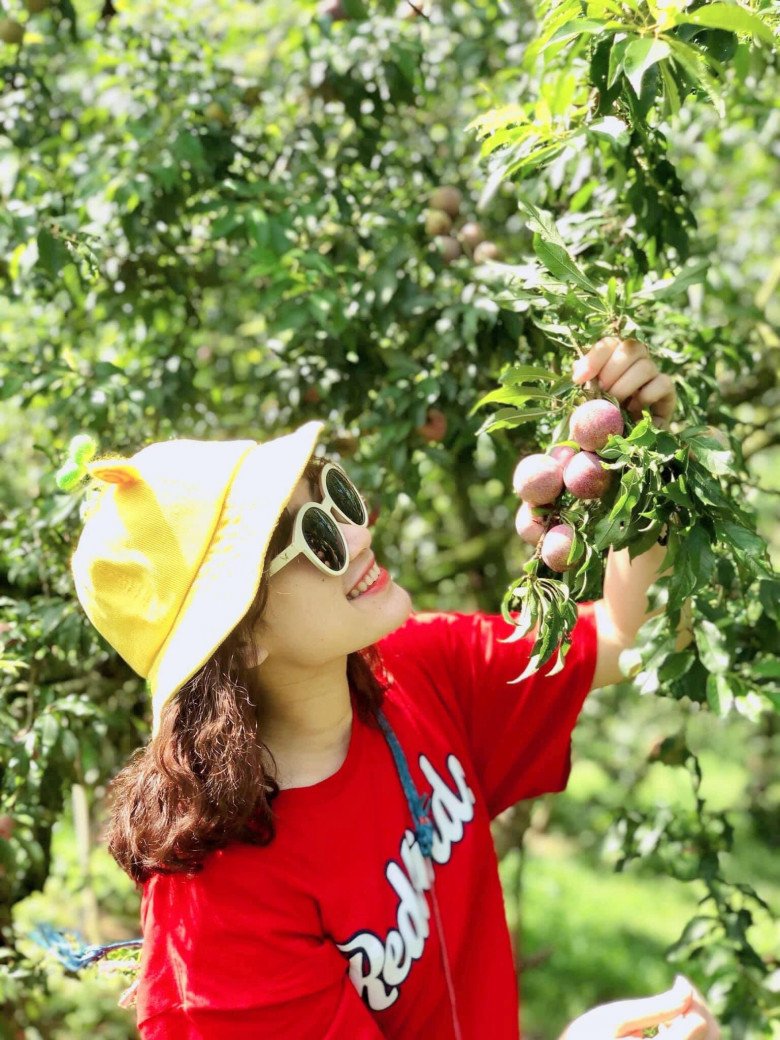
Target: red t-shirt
330, 932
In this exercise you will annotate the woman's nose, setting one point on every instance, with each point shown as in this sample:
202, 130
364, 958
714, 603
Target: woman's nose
358, 539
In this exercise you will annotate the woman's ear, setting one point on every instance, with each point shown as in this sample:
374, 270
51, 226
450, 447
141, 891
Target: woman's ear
257, 655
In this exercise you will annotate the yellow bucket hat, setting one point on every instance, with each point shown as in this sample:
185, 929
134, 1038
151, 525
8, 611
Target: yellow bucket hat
173, 545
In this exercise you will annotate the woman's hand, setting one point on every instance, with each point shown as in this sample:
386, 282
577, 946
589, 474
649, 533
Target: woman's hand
680, 1014
624, 368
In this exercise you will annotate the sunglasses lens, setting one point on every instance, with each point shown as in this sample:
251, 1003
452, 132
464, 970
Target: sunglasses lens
323, 538
345, 495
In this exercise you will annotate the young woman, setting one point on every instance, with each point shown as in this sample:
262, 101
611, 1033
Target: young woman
309, 824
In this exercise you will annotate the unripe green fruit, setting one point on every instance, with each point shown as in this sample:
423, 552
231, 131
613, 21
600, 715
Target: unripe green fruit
562, 453
557, 546
250, 96
471, 234
216, 113
82, 448
437, 222
68, 476
585, 476
486, 251
446, 198
592, 423
529, 526
448, 248
11, 31
538, 479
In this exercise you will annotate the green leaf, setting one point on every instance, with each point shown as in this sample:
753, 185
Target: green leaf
732, 17
53, 254
711, 454
640, 56
676, 492
576, 27
769, 597
692, 62
753, 545
712, 648
768, 669
676, 665
693, 273
697, 548
509, 395
509, 418
560, 264
616, 61
525, 374
720, 696
613, 128
671, 90
540, 223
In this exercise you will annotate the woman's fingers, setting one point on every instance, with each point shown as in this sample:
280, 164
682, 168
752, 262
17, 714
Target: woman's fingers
624, 369
608, 360
652, 1011
692, 1026
637, 376
659, 395
698, 1005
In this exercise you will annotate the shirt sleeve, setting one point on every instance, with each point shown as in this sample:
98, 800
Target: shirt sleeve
237, 951
519, 736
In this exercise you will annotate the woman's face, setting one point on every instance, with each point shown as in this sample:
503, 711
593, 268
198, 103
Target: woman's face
309, 620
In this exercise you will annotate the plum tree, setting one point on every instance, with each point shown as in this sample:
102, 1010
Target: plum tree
591, 423
538, 479
585, 476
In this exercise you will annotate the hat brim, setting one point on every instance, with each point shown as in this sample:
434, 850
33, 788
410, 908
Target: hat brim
227, 580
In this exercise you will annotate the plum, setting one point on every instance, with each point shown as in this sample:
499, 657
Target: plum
592, 423
585, 476
538, 479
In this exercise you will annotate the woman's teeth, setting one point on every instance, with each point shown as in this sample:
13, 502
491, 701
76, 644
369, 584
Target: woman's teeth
366, 583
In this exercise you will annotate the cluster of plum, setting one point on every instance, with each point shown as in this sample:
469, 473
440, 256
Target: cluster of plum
444, 209
539, 479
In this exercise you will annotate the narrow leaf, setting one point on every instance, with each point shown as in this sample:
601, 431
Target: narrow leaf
732, 17
525, 374
560, 264
640, 56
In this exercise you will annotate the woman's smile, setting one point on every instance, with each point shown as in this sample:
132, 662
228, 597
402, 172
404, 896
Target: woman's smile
376, 580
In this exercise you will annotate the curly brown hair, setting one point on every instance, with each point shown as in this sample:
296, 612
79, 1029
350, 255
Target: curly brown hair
201, 783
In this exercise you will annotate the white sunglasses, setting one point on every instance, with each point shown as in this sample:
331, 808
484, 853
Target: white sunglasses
315, 534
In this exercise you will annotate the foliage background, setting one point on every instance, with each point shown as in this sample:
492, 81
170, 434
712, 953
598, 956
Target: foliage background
213, 225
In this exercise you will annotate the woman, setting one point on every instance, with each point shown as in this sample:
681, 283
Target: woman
309, 823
